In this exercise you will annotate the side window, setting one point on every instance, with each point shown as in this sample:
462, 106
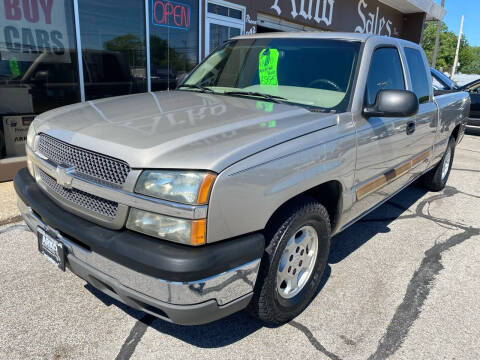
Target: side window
475, 90
385, 73
418, 74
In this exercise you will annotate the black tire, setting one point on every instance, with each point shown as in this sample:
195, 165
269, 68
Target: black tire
267, 304
433, 179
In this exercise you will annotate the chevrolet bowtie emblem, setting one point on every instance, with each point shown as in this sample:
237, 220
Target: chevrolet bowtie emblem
64, 175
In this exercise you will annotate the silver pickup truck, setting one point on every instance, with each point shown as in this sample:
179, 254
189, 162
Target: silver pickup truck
224, 194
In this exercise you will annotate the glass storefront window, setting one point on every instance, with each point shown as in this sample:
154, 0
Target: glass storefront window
221, 33
113, 47
224, 11
174, 41
38, 66
222, 22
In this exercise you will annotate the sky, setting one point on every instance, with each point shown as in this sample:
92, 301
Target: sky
471, 10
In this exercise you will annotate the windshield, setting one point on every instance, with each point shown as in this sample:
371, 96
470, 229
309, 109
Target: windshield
308, 72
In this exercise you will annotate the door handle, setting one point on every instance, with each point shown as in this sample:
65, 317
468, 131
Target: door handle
411, 127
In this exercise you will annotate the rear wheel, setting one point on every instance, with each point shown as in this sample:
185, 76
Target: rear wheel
436, 179
293, 263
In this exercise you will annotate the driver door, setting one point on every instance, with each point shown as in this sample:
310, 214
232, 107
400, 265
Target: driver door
382, 147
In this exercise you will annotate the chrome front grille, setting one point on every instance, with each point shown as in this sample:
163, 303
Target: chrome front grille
88, 202
87, 163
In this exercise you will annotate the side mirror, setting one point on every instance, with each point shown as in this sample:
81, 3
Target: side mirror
393, 103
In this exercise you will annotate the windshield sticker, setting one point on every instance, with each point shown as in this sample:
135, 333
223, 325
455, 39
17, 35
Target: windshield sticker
267, 67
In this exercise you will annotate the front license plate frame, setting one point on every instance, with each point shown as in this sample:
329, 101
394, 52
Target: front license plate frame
51, 247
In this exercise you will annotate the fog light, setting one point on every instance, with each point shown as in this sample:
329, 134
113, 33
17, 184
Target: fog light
189, 232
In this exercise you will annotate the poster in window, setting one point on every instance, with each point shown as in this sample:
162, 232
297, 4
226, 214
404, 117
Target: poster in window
30, 28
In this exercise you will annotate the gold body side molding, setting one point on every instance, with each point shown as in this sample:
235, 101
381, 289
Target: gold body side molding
390, 175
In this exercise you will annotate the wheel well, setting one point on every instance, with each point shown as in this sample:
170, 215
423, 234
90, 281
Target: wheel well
328, 194
455, 132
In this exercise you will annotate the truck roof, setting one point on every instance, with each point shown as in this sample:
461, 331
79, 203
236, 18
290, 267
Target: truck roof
321, 35
309, 35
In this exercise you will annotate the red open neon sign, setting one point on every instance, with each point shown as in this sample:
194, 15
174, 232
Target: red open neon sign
171, 14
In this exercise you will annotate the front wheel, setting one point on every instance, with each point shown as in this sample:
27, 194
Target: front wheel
293, 263
436, 179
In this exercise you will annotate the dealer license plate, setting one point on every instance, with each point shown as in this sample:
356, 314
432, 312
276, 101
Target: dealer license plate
51, 248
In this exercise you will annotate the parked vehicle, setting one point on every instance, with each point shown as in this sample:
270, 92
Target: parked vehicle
443, 85
194, 204
473, 89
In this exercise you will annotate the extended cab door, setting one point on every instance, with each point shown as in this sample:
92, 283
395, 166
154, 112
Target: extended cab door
420, 142
382, 142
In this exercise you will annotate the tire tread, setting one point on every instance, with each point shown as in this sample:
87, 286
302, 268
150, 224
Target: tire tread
259, 306
432, 180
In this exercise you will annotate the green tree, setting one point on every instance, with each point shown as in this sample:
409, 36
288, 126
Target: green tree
162, 54
465, 56
474, 66
447, 47
131, 45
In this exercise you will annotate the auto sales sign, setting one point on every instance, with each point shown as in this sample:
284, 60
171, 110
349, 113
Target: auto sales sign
30, 27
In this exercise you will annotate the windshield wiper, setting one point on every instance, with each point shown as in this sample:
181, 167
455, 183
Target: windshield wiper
195, 86
273, 98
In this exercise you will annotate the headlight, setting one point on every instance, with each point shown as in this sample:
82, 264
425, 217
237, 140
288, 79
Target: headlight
189, 232
31, 136
188, 187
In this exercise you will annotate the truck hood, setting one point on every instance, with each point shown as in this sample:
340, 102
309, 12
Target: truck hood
180, 129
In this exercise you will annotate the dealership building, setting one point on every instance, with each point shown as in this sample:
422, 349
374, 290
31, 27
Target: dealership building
59, 52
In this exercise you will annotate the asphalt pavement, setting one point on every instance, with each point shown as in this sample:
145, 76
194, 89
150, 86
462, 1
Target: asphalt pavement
403, 283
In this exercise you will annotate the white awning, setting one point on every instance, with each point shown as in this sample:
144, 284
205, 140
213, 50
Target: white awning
433, 10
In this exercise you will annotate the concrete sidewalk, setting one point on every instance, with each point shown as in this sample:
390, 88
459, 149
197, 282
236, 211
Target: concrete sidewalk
8, 204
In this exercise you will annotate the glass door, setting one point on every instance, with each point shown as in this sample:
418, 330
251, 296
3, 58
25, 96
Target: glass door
223, 21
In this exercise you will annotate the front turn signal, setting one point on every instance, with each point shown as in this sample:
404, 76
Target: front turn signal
199, 232
205, 188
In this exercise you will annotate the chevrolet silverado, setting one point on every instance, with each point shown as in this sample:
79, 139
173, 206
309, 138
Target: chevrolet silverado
224, 194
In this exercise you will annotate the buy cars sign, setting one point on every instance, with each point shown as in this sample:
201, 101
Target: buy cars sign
30, 27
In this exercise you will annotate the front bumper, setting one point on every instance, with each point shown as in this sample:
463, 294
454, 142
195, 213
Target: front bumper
180, 284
